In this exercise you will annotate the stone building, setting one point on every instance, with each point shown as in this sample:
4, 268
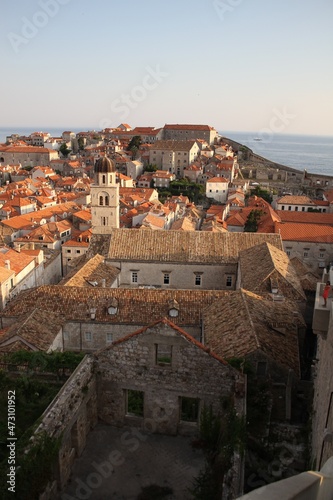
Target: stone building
160, 378
27, 155
180, 259
104, 197
181, 132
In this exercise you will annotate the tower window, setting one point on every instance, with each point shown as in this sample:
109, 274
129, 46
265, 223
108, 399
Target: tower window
104, 221
103, 179
107, 201
101, 200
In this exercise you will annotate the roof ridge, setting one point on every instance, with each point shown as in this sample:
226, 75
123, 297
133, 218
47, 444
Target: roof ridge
250, 317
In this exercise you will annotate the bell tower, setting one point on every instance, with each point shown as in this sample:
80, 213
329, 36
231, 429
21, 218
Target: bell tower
104, 197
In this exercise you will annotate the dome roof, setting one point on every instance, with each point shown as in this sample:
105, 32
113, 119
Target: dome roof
104, 165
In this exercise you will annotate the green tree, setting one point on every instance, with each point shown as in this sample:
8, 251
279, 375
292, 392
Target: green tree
151, 168
81, 143
251, 224
64, 150
134, 143
263, 193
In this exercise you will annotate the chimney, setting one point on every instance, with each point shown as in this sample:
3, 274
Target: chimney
103, 283
7, 264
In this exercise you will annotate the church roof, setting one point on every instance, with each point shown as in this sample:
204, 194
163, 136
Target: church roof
104, 165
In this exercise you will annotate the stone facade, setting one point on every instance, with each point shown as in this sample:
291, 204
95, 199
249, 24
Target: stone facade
71, 416
168, 370
178, 275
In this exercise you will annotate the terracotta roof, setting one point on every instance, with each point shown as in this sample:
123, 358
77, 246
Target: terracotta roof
184, 224
187, 127
295, 200
35, 330
183, 246
136, 306
292, 231
91, 273
26, 149
305, 217
242, 323
26, 220
218, 179
5, 274
274, 263
17, 260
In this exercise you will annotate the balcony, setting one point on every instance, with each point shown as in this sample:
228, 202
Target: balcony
311, 485
321, 314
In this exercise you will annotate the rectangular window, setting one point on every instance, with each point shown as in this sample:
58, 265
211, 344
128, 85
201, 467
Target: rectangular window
305, 254
134, 403
261, 368
166, 278
134, 277
288, 253
88, 336
68, 251
321, 255
228, 281
189, 409
163, 354
109, 337
303, 209
197, 281
296, 209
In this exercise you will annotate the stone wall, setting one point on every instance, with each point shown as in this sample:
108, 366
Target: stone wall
182, 276
75, 338
71, 415
132, 365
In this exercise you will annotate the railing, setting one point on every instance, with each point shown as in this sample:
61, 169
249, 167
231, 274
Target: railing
311, 485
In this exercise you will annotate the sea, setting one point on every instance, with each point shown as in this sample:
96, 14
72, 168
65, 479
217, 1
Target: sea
313, 153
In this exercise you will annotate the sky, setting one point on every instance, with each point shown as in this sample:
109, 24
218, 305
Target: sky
237, 65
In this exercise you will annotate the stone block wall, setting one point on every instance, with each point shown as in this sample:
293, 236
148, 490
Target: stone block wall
131, 365
71, 415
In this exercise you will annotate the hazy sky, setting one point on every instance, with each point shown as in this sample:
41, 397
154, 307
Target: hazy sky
246, 65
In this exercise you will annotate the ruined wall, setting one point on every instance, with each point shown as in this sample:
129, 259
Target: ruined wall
71, 415
133, 365
76, 334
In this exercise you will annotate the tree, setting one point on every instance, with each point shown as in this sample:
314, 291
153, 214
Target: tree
263, 193
251, 224
151, 168
81, 143
134, 143
64, 150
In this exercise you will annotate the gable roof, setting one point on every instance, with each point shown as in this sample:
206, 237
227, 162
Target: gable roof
35, 330
183, 246
315, 233
135, 306
243, 323
177, 329
92, 273
255, 277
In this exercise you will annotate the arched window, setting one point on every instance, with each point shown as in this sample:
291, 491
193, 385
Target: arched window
107, 200
101, 200
103, 179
